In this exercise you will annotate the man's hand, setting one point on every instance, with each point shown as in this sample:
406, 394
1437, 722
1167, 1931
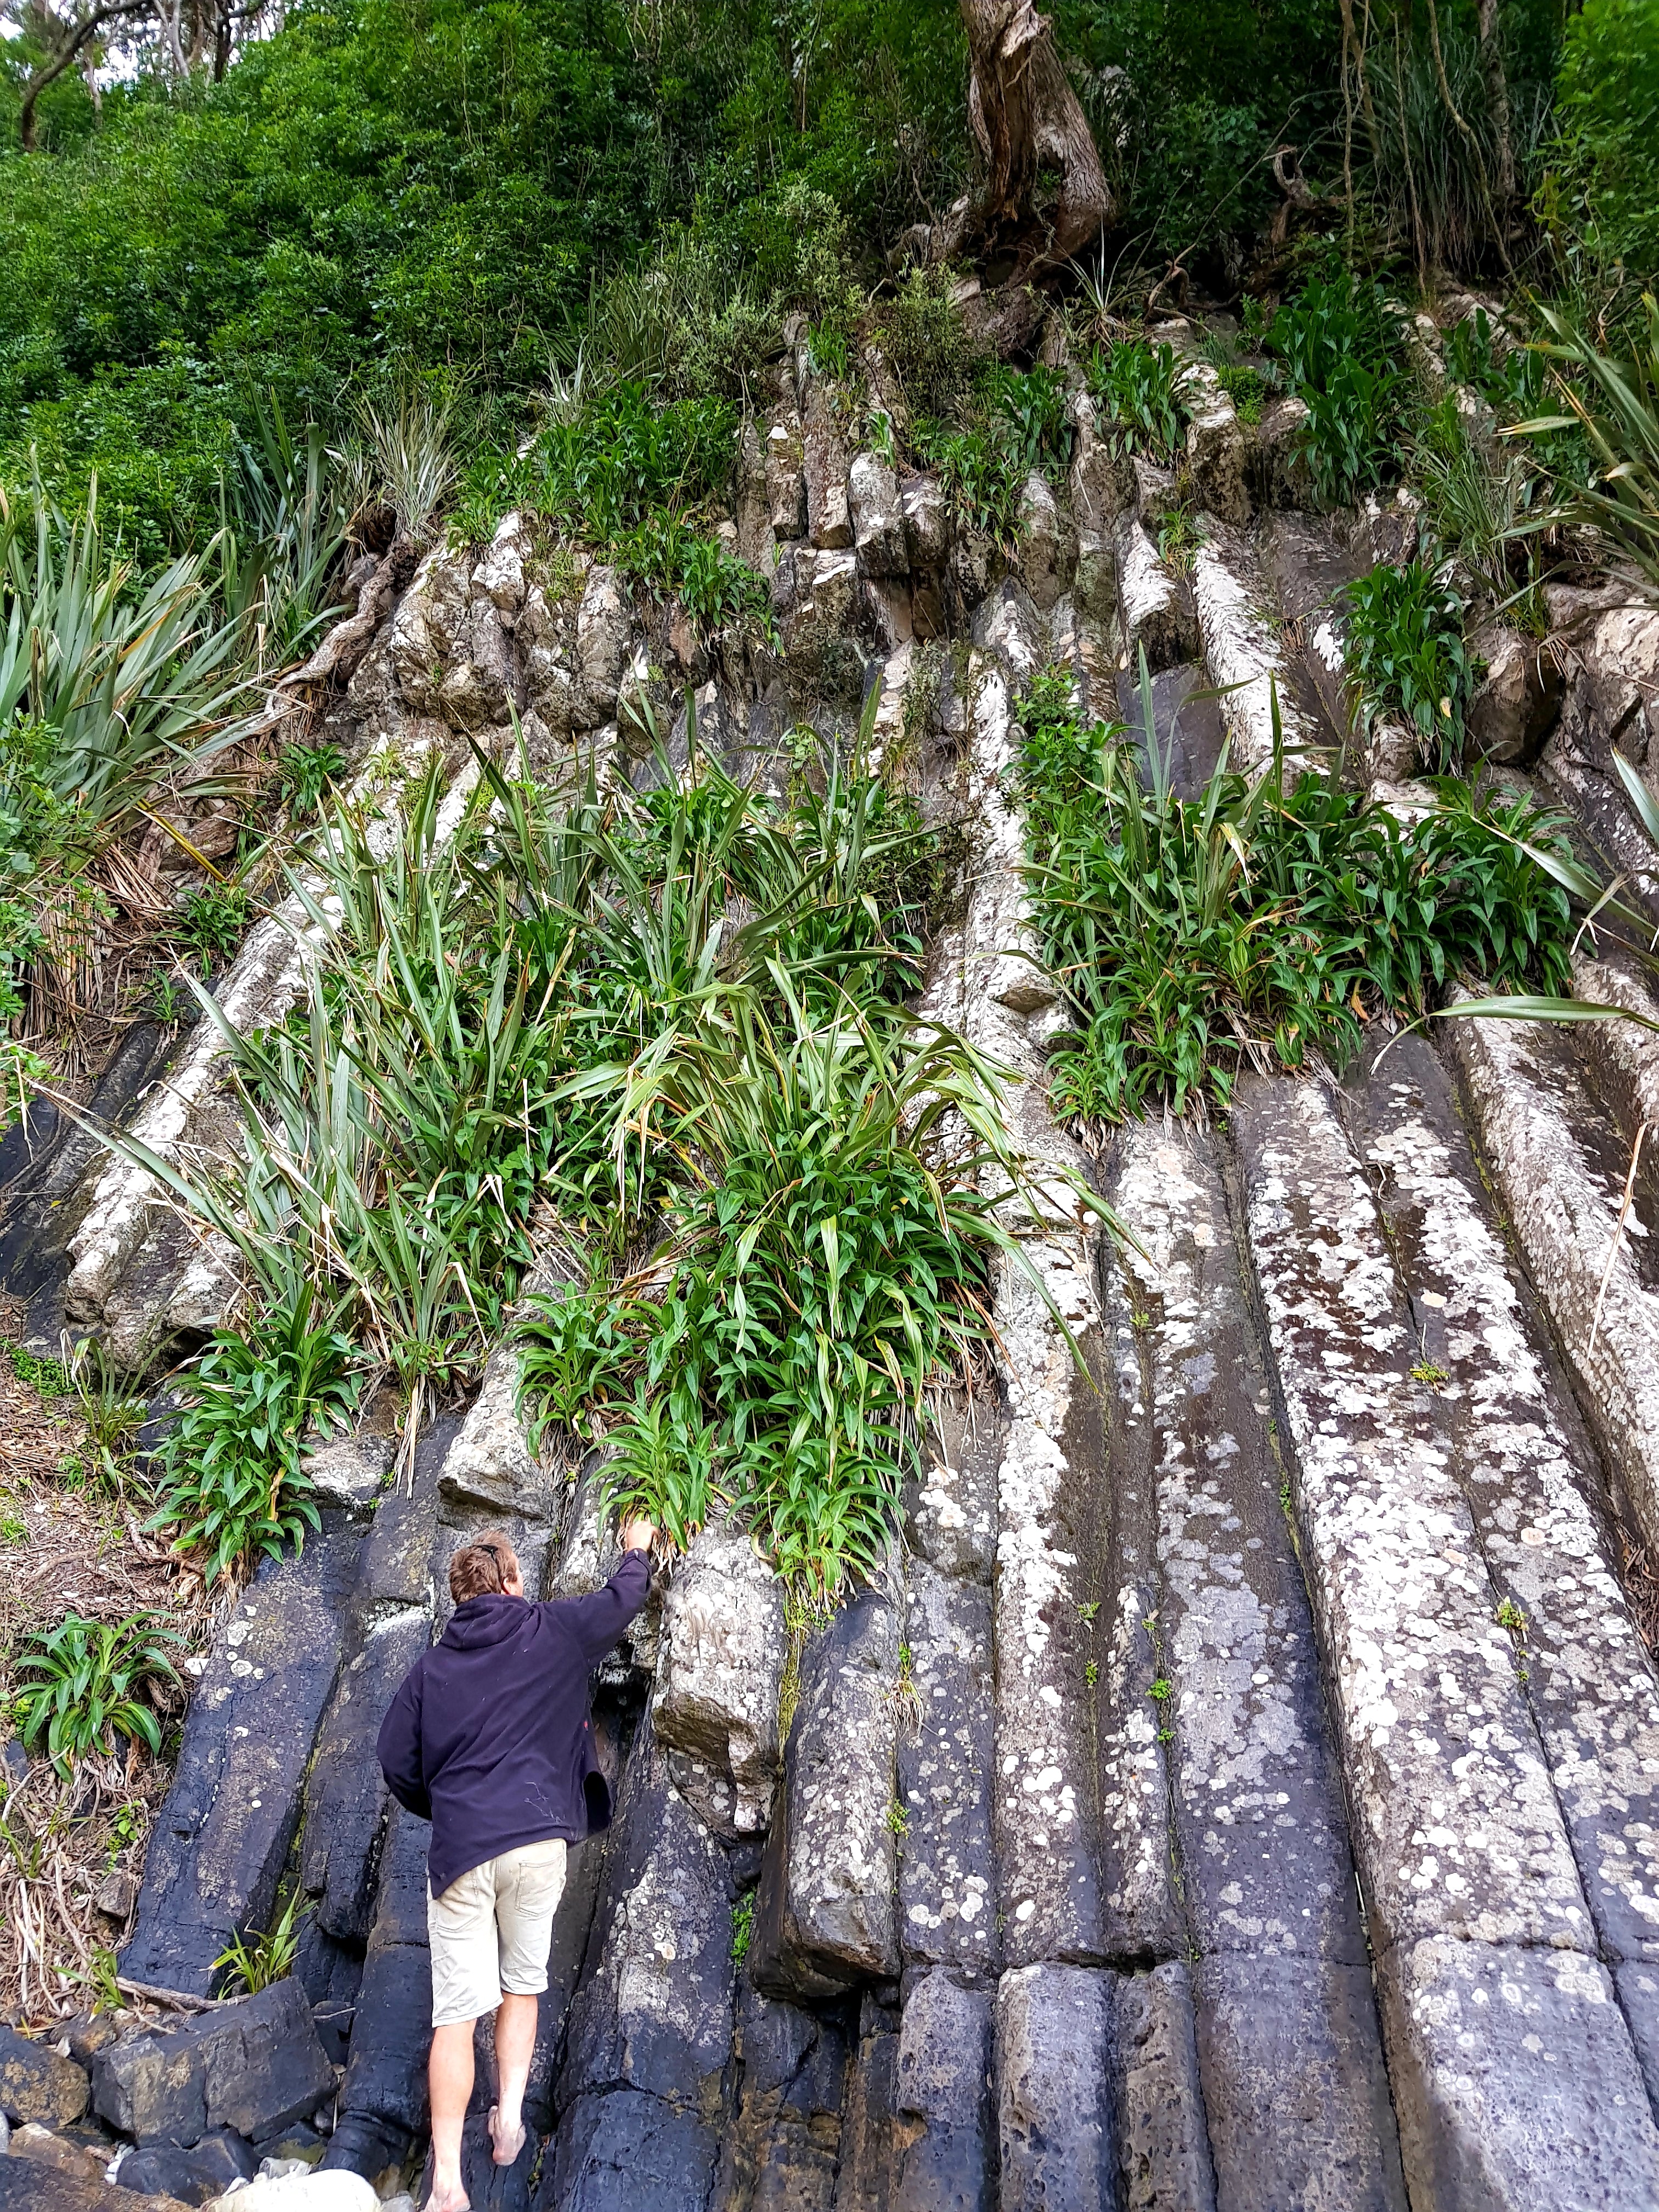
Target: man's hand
639, 1535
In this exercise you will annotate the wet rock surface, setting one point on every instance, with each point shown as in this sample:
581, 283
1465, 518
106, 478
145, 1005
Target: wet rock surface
219, 1850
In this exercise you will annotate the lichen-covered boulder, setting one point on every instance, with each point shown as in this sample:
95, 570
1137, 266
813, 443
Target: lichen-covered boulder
640, 2096
719, 1663
38, 2083
878, 517
602, 641
1516, 699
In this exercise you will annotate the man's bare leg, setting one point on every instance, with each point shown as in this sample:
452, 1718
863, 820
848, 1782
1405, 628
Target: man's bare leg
515, 2040
450, 2075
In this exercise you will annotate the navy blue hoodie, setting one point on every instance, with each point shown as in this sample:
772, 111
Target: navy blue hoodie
488, 1736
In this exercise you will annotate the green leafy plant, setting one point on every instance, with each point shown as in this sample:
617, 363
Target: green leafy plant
230, 1483
102, 1978
1405, 653
575, 1350
1028, 410
1136, 386
112, 1411
743, 1928
1268, 914
250, 1965
1337, 343
1478, 496
662, 1462
51, 1378
285, 531
214, 923
304, 772
981, 477
1247, 389
81, 1685
831, 351
407, 439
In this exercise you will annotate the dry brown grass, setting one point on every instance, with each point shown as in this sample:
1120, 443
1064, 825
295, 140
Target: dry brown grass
67, 1545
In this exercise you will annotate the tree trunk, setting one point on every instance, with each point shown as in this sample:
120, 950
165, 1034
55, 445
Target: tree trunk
1044, 194
1498, 88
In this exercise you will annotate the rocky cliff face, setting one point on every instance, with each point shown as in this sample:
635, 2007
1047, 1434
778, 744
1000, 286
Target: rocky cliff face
1177, 1824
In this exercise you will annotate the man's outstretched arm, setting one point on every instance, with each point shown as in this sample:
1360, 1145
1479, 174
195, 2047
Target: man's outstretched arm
597, 1622
400, 1749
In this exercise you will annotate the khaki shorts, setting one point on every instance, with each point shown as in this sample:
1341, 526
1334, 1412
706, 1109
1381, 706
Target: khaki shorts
492, 1929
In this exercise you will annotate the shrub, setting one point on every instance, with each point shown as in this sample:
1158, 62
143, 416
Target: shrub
231, 1485
926, 343
1609, 108
1134, 385
1260, 917
1337, 343
1405, 652
84, 1684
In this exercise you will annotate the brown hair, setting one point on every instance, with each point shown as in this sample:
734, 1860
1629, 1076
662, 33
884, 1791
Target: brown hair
482, 1568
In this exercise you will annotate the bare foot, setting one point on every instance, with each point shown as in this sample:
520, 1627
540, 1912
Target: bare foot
507, 2147
448, 2197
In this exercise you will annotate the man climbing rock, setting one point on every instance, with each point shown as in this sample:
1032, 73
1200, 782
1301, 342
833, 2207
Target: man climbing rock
488, 1738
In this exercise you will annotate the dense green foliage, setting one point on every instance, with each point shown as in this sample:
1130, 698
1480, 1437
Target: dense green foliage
1133, 383
442, 186
1609, 122
1272, 916
677, 1021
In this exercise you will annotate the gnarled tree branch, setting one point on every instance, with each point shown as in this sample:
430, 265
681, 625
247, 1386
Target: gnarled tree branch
77, 37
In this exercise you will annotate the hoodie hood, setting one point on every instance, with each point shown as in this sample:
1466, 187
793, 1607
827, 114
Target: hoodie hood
485, 1620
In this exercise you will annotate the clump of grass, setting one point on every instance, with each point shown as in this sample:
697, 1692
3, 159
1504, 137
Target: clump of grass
251, 1962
